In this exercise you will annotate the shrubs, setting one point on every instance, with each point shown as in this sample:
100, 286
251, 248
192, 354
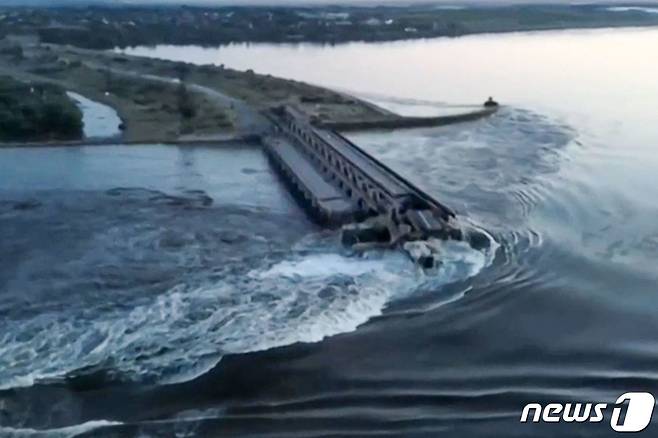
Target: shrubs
37, 112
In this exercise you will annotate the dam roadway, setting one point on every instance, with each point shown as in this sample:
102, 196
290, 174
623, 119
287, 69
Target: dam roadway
339, 184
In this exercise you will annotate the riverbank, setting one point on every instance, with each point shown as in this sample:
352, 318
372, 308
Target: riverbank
167, 101
161, 100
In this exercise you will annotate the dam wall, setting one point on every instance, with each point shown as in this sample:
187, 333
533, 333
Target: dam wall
339, 183
399, 122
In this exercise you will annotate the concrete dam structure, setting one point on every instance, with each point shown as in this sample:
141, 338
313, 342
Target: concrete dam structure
340, 184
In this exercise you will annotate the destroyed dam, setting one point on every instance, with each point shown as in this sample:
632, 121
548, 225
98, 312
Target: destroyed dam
341, 185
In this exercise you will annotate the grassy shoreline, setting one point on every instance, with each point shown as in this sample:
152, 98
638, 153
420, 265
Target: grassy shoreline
162, 100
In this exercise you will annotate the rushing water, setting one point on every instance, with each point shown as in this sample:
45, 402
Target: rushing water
151, 286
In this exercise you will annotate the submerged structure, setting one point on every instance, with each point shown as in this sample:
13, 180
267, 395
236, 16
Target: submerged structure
341, 185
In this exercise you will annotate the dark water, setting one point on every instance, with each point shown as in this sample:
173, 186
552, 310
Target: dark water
141, 268
157, 292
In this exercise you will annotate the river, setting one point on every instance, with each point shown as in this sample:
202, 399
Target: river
183, 285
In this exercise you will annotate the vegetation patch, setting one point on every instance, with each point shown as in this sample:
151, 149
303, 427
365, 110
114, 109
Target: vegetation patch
37, 112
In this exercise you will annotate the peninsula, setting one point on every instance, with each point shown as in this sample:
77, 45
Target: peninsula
167, 101
170, 101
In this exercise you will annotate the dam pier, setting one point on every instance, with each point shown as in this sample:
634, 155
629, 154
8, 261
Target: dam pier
341, 185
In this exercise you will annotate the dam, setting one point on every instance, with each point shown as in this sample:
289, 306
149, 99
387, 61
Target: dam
341, 185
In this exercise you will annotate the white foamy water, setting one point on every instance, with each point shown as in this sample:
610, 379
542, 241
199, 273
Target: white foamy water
185, 331
321, 265
646, 9
64, 432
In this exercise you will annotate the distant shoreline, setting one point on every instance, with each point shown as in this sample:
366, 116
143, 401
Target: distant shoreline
127, 50
103, 28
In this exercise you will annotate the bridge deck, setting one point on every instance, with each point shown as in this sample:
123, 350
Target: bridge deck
329, 197
391, 184
340, 182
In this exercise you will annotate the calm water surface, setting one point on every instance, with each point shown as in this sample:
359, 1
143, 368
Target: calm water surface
166, 290
99, 120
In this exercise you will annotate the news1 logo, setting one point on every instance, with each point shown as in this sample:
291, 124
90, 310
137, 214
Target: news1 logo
638, 408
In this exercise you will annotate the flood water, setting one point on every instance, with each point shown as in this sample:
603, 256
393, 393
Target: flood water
98, 120
159, 291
